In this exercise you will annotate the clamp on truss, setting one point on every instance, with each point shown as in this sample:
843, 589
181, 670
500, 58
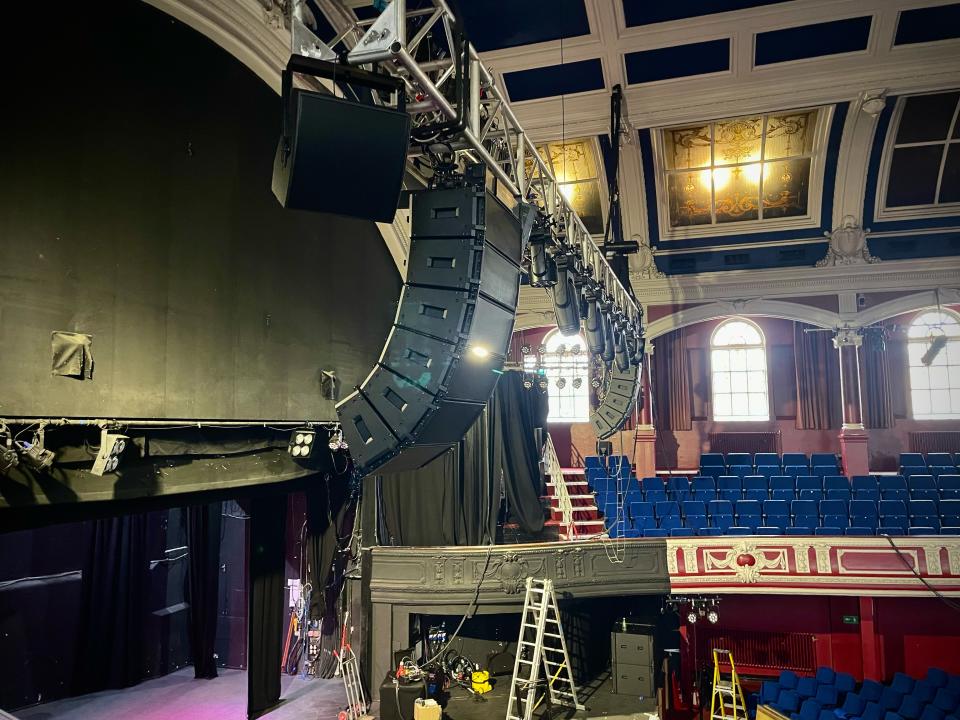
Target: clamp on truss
457, 108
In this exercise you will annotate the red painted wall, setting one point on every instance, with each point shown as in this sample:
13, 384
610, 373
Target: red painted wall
912, 634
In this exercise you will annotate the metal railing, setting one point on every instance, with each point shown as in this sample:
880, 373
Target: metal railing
553, 470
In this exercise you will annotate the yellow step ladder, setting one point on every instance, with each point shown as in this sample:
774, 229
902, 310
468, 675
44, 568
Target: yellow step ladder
727, 702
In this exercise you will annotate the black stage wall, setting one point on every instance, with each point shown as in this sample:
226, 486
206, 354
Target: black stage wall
135, 205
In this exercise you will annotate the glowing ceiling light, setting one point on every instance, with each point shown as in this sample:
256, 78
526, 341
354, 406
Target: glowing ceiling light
479, 351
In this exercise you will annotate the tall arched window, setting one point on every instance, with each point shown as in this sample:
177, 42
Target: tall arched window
934, 365
738, 363
566, 364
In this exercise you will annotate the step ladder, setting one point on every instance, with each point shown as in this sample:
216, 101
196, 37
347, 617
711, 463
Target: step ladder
727, 702
541, 646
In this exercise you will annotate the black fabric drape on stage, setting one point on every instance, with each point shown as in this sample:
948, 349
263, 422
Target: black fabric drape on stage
818, 375
671, 377
876, 392
203, 576
455, 499
515, 413
114, 603
268, 516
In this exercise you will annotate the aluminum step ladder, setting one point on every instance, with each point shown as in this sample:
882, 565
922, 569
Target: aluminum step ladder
727, 702
541, 646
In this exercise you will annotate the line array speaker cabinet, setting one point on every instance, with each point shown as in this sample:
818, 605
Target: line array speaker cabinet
341, 157
450, 337
618, 403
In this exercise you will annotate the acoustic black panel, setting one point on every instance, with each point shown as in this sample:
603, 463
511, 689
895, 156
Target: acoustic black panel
341, 157
451, 333
618, 402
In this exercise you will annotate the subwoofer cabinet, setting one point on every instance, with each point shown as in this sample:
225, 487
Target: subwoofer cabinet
633, 660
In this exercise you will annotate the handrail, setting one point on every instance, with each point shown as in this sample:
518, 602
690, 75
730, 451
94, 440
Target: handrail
553, 470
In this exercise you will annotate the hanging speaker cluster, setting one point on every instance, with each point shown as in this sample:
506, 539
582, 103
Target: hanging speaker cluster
618, 398
450, 337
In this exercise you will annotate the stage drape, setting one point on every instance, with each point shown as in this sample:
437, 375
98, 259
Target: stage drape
330, 518
671, 405
114, 603
876, 393
203, 576
818, 372
268, 515
515, 413
455, 499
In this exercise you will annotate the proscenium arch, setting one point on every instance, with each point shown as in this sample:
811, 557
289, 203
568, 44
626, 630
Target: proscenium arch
750, 308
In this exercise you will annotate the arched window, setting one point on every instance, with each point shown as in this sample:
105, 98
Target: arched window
566, 364
738, 363
934, 365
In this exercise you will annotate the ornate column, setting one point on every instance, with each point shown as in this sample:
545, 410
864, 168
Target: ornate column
645, 457
853, 436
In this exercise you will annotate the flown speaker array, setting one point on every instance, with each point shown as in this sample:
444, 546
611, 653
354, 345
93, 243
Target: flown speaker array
452, 329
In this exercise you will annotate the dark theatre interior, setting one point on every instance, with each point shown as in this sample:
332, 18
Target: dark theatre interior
473, 359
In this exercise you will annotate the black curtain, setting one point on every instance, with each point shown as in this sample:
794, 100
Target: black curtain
114, 604
818, 375
268, 518
203, 584
455, 499
330, 518
876, 392
516, 412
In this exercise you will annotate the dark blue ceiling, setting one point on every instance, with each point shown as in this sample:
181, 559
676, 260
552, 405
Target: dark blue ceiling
575, 77
808, 41
647, 12
678, 61
928, 24
498, 24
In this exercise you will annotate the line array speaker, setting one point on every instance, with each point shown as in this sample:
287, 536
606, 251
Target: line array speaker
618, 402
337, 155
450, 337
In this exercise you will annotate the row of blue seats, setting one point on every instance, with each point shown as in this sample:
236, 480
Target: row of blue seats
936, 697
930, 460
627, 531
783, 487
800, 513
767, 459
769, 470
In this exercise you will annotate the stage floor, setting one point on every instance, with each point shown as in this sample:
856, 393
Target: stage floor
597, 696
179, 697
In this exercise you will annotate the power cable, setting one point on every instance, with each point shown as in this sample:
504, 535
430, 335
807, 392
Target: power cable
952, 604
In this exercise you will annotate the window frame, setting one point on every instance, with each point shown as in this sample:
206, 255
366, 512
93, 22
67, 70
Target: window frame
585, 388
601, 178
916, 341
913, 212
766, 373
812, 219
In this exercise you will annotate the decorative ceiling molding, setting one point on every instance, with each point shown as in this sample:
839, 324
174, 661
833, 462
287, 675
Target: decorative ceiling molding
751, 307
890, 276
909, 303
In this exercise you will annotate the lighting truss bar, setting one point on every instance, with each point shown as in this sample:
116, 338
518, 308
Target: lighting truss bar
491, 133
137, 422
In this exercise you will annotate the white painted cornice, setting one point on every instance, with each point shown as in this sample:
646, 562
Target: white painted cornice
889, 276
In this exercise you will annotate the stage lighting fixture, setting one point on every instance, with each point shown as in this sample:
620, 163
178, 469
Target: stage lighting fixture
542, 272
566, 301
621, 351
302, 442
561, 348
561, 383
8, 458
527, 383
479, 351
525, 349
336, 441
692, 617
713, 617
575, 350
592, 322
936, 345
35, 455
577, 383
542, 350
543, 384
609, 341
595, 383
112, 446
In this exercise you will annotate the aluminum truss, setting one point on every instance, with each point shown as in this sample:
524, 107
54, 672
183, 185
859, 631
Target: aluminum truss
478, 126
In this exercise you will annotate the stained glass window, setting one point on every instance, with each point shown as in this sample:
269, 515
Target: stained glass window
924, 168
566, 364
934, 373
740, 169
574, 165
738, 366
